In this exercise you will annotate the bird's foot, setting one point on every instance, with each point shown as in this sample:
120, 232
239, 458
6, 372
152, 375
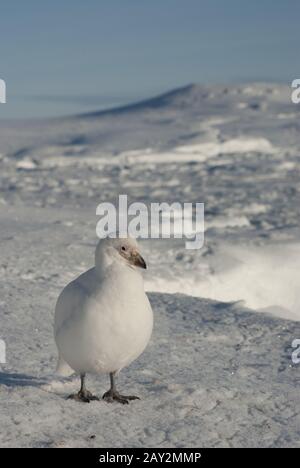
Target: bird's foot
83, 397
112, 395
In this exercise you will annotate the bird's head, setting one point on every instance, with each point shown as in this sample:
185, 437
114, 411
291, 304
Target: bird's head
125, 251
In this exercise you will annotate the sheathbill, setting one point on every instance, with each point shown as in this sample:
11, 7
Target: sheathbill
103, 319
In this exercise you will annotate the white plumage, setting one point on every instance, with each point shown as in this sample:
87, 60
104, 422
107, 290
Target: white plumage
103, 319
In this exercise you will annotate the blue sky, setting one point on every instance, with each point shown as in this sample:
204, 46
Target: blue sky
69, 56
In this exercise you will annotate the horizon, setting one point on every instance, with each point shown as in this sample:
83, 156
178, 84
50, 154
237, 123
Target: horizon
86, 109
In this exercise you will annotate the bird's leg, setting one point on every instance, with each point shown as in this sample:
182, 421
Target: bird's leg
113, 395
83, 395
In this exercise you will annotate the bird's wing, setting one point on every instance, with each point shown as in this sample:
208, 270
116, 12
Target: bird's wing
72, 298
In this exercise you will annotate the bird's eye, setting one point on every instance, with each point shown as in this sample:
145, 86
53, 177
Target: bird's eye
123, 248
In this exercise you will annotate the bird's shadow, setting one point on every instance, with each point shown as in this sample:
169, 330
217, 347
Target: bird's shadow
13, 379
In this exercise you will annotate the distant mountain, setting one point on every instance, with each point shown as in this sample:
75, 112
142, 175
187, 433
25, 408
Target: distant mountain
162, 100
162, 122
194, 95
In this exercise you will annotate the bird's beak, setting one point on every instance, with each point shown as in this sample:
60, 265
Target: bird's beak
137, 260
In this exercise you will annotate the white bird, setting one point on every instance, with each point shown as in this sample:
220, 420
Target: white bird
103, 319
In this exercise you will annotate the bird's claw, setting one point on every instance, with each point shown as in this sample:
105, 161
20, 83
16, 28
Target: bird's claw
83, 397
112, 396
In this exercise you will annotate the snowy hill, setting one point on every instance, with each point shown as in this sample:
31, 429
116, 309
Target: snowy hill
163, 121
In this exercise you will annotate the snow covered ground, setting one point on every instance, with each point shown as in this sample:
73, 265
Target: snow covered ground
216, 373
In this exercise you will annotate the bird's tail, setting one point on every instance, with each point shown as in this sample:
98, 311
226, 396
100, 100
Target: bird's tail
63, 368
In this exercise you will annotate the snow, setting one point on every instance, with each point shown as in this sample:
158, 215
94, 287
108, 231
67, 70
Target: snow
200, 152
26, 164
218, 371
223, 379
214, 374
